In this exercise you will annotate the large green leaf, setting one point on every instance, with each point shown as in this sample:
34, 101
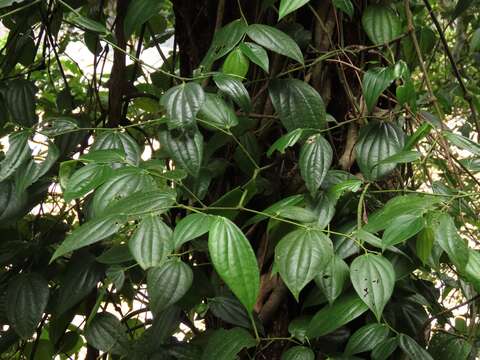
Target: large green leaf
182, 103
216, 112
226, 344
330, 318
373, 278
381, 24
257, 54
412, 349
138, 13
26, 300
141, 203
235, 89
402, 228
118, 140
378, 141
300, 256
90, 233
21, 102
332, 278
190, 227
86, 179
167, 284
288, 6
185, 149
151, 243
234, 260
298, 353
275, 40
107, 333
315, 159
366, 338
298, 104
375, 82
17, 154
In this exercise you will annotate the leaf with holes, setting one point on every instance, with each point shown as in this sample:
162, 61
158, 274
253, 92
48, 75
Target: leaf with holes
381, 24
256, 54
331, 280
234, 260
151, 243
373, 278
300, 256
315, 159
167, 284
215, 111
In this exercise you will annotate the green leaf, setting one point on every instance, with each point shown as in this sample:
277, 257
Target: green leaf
411, 348
115, 255
117, 140
88, 24
186, 150
346, 6
446, 235
107, 333
286, 141
229, 310
375, 82
424, 244
235, 89
373, 278
462, 142
472, 269
475, 41
275, 40
226, 344
151, 243
378, 141
366, 338
190, 227
384, 349
17, 154
256, 54
6, 3
104, 156
288, 6
182, 103
54, 126
167, 284
401, 229
215, 111
300, 256
444, 346
332, 317
138, 13
331, 280
21, 102
26, 300
401, 158
234, 260
298, 104
274, 209
89, 233
298, 353
86, 179
315, 159
418, 135
236, 64
381, 24
141, 203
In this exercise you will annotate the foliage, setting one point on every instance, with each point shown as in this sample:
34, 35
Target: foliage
297, 179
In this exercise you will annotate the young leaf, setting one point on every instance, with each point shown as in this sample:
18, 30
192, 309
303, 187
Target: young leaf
331, 280
375, 82
275, 40
215, 111
190, 227
366, 338
314, 161
330, 318
381, 24
86, 179
167, 284
234, 260
298, 353
256, 54
402, 228
287, 140
373, 278
288, 6
107, 333
26, 300
411, 348
17, 154
300, 256
226, 344
89, 233
298, 104
236, 64
182, 103
235, 89
151, 243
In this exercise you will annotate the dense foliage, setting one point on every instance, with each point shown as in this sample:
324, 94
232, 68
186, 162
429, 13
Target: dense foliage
297, 179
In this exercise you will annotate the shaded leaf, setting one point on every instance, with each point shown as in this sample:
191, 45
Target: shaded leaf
226, 344
107, 333
315, 159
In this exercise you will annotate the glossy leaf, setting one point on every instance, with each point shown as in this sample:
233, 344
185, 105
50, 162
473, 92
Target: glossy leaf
256, 54
298, 104
151, 243
381, 24
331, 280
315, 159
288, 6
373, 278
89, 233
366, 338
298, 353
182, 103
167, 284
190, 227
226, 344
88, 24
375, 82
275, 40
215, 111
104, 156
141, 203
17, 154
300, 256
411, 348
401, 229
234, 260
401, 158
235, 89
384, 349
26, 300
86, 179
107, 333
424, 244
118, 140
286, 141
236, 64
330, 318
